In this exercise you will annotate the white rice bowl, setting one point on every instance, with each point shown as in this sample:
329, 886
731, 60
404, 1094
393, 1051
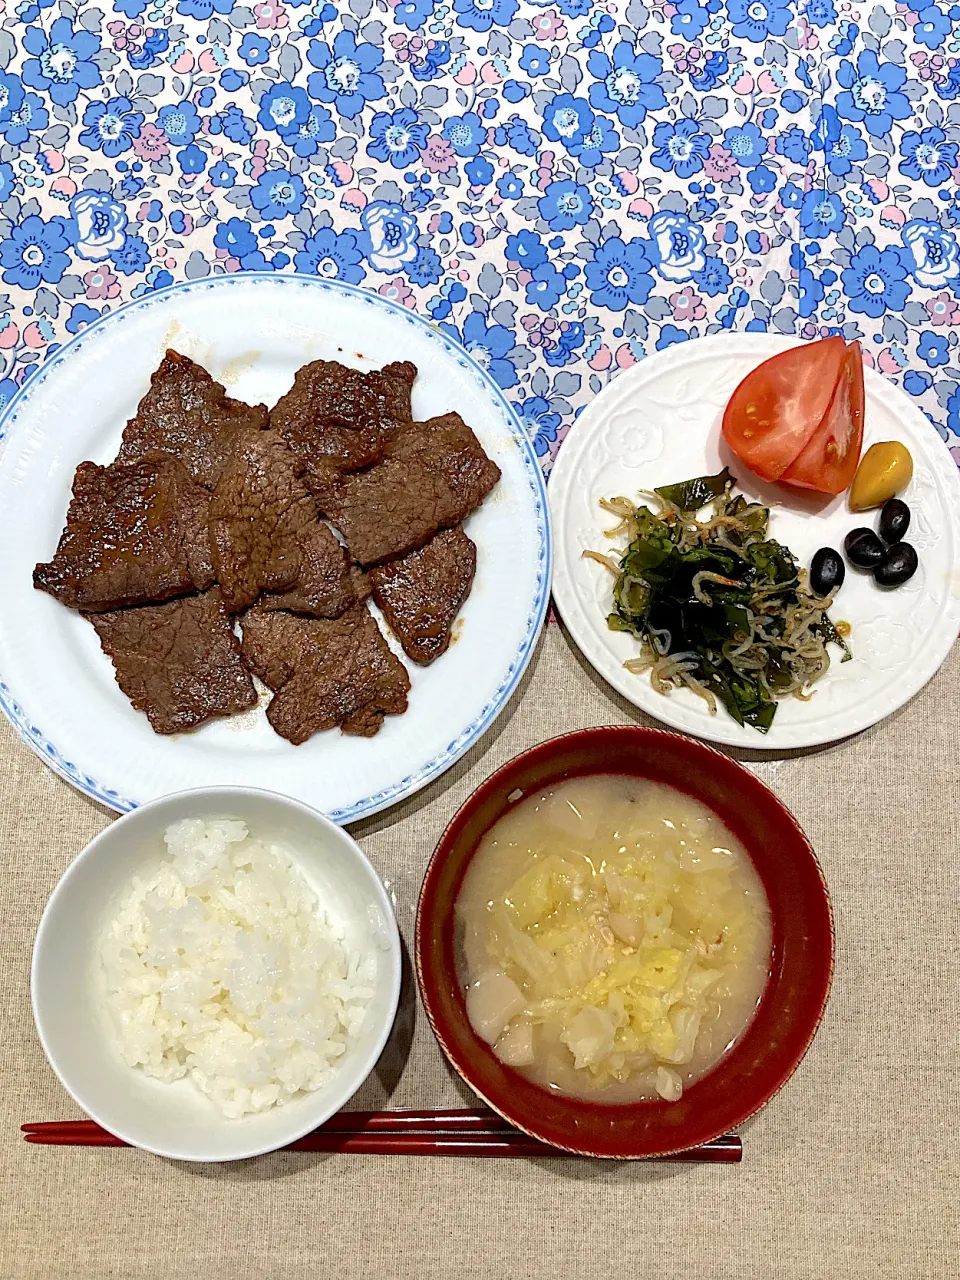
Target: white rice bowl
223, 967
75, 1017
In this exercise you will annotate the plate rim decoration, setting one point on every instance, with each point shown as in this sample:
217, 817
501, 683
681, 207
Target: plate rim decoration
42, 739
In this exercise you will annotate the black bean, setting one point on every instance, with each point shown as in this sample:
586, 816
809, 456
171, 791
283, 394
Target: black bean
827, 571
894, 520
897, 567
863, 548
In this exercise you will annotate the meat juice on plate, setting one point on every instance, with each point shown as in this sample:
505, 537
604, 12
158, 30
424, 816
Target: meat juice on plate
613, 939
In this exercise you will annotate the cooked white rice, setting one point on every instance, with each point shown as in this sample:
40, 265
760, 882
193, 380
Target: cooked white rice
224, 968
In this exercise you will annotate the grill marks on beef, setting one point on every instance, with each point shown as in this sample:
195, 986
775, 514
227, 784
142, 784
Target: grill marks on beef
336, 419
135, 532
324, 673
433, 475
146, 539
179, 662
421, 595
189, 415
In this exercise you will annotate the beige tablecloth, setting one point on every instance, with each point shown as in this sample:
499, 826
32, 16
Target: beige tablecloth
852, 1171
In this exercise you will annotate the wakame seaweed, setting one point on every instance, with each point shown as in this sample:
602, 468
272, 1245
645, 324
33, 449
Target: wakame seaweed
691, 495
718, 605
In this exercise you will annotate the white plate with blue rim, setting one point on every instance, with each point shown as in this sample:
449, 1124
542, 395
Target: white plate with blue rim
253, 331
658, 423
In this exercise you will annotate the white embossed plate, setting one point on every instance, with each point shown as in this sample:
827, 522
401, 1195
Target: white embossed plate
253, 332
660, 422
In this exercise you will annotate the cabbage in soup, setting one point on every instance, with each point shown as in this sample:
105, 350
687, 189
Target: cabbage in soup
614, 939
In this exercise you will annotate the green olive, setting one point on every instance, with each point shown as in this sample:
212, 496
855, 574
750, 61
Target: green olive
884, 470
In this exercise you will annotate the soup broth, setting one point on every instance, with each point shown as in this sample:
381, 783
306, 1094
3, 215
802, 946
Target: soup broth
613, 939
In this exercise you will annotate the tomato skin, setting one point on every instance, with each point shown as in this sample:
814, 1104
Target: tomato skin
828, 461
791, 393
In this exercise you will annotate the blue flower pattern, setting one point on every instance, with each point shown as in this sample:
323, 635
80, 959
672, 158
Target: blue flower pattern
564, 186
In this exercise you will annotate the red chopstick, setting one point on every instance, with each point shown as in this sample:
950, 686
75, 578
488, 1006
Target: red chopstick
477, 1133
457, 1121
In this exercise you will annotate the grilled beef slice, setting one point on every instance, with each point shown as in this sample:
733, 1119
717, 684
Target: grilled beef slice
135, 533
324, 673
325, 585
421, 595
336, 418
433, 475
259, 514
178, 662
187, 414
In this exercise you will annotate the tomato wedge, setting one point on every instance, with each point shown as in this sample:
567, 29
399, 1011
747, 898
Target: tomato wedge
828, 461
777, 408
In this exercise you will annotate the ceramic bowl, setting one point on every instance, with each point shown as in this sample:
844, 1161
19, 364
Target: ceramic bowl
69, 1006
793, 1001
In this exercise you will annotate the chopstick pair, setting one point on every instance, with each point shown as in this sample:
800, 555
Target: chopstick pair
477, 1133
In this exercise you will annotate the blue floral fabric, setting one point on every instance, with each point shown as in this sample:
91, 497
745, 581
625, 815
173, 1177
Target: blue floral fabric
564, 186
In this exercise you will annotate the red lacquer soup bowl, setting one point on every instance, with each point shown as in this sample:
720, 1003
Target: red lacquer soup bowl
793, 1000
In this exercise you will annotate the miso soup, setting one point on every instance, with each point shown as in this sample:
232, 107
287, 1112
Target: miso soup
614, 939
